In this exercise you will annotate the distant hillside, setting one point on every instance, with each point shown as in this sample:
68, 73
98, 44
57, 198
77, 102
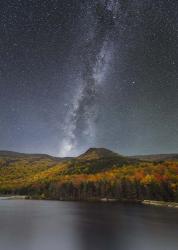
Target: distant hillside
96, 174
34, 156
10, 153
156, 157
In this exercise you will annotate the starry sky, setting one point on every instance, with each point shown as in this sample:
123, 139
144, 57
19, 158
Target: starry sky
76, 74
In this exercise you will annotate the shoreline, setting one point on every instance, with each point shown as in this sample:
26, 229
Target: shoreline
13, 197
168, 204
102, 200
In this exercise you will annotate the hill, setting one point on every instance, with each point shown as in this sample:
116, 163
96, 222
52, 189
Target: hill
95, 174
96, 160
98, 153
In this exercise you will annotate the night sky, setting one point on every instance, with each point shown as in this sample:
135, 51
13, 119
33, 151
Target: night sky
76, 74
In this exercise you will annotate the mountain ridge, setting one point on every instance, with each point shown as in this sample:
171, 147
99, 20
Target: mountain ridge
94, 153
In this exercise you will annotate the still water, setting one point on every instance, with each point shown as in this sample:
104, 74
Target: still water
52, 225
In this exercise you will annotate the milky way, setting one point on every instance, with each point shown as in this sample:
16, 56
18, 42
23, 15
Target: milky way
83, 112
108, 18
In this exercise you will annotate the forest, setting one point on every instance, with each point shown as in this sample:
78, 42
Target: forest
97, 174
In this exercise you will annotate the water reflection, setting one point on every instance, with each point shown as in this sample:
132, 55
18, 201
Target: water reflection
97, 228
127, 227
50, 225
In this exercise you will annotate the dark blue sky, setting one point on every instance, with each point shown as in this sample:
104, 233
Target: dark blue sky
76, 74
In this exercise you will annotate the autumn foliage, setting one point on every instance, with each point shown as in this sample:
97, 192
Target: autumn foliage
89, 179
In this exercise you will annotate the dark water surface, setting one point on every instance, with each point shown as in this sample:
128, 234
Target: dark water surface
52, 225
